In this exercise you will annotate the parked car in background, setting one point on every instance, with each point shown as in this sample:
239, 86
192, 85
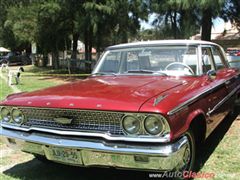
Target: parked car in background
146, 106
15, 58
233, 57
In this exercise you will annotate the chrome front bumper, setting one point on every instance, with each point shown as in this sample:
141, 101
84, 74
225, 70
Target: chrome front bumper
101, 153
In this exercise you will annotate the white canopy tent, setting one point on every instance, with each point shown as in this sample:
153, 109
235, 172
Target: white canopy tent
2, 49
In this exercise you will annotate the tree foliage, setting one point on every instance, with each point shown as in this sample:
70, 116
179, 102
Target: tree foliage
53, 24
231, 11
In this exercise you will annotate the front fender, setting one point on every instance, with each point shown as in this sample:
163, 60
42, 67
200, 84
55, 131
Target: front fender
180, 122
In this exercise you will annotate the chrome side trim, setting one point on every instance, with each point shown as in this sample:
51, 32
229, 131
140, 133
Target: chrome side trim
223, 100
195, 98
192, 100
106, 136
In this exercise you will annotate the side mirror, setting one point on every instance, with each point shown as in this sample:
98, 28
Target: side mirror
212, 74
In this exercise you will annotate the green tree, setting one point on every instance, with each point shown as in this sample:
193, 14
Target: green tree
175, 19
209, 10
7, 37
22, 20
231, 11
52, 29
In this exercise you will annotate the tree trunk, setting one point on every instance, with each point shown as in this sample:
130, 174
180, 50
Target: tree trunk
98, 43
86, 43
55, 57
89, 50
206, 25
90, 46
174, 21
45, 59
75, 43
55, 60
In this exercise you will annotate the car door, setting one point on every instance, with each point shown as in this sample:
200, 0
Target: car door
216, 89
229, 75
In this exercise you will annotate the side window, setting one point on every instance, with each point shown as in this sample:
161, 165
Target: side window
218, 59
206, 60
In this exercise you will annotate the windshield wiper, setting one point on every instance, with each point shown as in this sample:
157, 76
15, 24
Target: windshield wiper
103, 74
146, 71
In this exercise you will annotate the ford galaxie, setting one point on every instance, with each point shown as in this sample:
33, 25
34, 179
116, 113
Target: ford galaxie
146, 106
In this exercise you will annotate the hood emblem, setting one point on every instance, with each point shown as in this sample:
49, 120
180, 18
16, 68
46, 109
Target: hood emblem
63, 120
159, 99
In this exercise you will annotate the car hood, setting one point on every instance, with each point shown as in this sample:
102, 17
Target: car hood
118, 93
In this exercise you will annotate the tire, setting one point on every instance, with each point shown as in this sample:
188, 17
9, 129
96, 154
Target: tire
3, 62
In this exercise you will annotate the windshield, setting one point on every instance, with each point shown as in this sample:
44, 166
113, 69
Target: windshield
161, 60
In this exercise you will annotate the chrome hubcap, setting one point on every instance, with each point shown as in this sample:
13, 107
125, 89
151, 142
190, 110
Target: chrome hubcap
186, 156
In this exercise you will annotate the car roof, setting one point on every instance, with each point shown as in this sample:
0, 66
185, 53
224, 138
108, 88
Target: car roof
160, 42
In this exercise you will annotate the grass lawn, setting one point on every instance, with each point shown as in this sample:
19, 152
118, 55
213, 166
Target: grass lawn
31, 83
4, 89
220, 153
28, 82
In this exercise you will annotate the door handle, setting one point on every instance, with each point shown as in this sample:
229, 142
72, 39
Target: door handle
227, 82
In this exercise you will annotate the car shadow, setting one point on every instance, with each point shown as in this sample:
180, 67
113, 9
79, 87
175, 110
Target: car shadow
35, 169
215, 138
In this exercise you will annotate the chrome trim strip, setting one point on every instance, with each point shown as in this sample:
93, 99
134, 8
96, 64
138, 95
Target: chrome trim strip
195, 98
39, 138
192, 100
139, 138
223, 100
98, 145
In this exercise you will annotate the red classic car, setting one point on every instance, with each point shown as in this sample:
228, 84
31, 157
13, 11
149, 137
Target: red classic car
146, 106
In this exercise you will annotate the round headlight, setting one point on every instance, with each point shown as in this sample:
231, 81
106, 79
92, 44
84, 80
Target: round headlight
5, 114
17, 116
153, 125
131, 124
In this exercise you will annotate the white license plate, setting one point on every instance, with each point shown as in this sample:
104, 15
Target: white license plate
64, 155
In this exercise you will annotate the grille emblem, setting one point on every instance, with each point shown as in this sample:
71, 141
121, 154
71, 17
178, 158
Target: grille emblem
63, 120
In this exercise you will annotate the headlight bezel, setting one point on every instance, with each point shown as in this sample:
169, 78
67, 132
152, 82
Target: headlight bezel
135, 118
143, 132
9, 110
163, 124
14, 119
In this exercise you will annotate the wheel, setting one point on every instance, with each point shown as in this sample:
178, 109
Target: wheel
190, 151
189, 156
3, 62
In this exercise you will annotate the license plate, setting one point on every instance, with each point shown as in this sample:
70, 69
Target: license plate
64, 155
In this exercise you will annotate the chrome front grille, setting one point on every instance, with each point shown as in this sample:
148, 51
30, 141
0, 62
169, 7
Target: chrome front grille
93, 121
